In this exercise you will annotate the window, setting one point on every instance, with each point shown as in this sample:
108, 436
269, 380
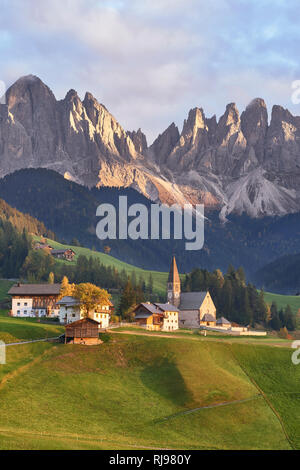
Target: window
25, 304
25, 312
18, 304
18, 312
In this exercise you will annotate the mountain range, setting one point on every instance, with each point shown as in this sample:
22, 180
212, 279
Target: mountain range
237, 164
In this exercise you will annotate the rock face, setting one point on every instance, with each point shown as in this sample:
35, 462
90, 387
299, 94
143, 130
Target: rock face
237, 164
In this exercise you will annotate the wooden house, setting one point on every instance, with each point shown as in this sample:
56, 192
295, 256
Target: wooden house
31, 300
67, 254
157, 317
84, 331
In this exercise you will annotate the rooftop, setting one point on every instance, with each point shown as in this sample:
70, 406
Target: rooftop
191, 300
167, 307
223, 321
58, 251
208, 317
34, 289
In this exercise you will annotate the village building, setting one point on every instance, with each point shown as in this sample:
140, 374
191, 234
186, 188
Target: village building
223, 322
71, 311
34, 300
157, 316
196, 309
43, 246
67, 254
84, 331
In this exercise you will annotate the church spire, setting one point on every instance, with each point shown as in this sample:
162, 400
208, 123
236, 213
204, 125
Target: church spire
173, 274
174, 287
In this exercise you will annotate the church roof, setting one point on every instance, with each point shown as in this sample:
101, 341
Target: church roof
173, 274
191, 300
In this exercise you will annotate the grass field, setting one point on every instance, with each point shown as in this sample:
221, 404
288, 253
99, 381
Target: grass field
283, 300
24, 329
134, 392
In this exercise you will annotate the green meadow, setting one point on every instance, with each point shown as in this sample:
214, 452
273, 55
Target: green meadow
24, 329
147, 392
283, 300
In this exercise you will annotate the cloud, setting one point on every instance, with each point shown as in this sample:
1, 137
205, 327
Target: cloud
150, 61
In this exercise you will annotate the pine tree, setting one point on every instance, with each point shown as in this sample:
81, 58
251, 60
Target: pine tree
261, 313
150, 284
127, 300
289, 319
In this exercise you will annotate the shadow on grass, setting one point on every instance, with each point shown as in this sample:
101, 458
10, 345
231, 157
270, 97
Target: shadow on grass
163, 377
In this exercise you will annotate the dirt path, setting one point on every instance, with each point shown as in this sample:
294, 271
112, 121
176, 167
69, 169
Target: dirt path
31, 341
285, 344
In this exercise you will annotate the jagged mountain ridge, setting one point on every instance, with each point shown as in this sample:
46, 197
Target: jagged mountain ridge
239, 163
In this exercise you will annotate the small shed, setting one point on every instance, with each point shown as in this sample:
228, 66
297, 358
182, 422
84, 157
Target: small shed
208, 320
223, 322
84, 331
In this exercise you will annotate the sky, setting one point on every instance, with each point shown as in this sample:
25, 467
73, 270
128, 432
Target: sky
151, 61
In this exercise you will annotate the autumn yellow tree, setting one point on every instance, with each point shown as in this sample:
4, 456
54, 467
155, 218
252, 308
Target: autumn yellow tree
66, 288
90, 296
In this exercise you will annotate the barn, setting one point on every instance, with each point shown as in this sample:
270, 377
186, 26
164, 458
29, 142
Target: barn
84, 331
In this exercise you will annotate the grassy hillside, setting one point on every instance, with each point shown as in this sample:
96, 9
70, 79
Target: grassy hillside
159, 278
276, 376
283, 300
23, 329
147, 392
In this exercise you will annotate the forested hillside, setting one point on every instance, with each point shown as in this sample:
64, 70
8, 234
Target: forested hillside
15, 243
282, 275
69, 210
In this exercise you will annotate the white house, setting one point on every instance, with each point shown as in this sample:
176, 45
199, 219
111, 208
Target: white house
34, 300
70, 310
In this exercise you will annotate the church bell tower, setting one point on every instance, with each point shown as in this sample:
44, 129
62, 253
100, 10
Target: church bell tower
174, 287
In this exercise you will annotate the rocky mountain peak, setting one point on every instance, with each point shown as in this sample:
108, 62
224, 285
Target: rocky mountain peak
27, 88
164, 144
239, 163
195, 121
254, 125
139, 140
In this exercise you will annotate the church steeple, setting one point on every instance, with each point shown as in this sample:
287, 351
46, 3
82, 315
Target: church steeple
174, 287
